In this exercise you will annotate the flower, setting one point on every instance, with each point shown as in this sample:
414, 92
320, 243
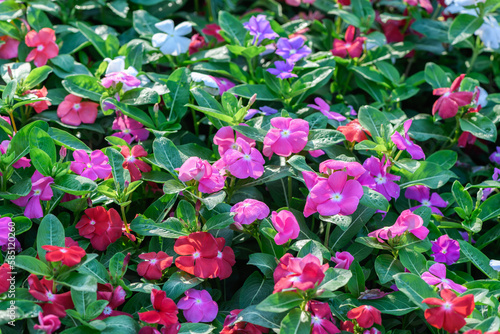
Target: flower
132, 163
45, 46
495, 156
489, 32
240, 327
39, 106
224, 138
165, 311
421, 194
405, 143
197, 42
451, 311
95, 167
100, 226
244, 162
154, 264
213, 29
208, 177
113, 78
354, 132
299, 273
130, 129
172, 41
115, 297
54, 303
117, 65
249, 211
378, 178
287, 136
445, 250
324, 107
447, 105
73, 111
266, 111
8, 50
466, 138
283, 69
40, 191
5, 277
49, 323
198, 306
198, 253
351, 46
354, 169
69, 256
425, 4
437, 276
225, 259
260, 28
495, 264
296, 3
292, 49
287, 226
343, 260
321, 318
6, 227
410, 222
365, 315
223, 84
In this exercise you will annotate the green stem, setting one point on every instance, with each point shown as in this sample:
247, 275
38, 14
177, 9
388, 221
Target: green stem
195, 123
475, 52
124, 218
230, 189
327, 234
209, 10
289, 191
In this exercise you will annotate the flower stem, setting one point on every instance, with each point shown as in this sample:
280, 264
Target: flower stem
11, 114
289, 191
475, 52
195, 123
124, 218
327, 234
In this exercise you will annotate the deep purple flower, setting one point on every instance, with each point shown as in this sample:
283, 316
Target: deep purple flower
40, 191
283, 70
130, 129
95, 167
445, 250
437, 276
7, 226
495, 156
422, 194
128, 80
488, 191
292, 49
324, 107
260, 28
405, 143
465, 236
266, 111
378, 179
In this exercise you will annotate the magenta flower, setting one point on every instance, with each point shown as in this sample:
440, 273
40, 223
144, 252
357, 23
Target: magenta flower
21, 163
352, 46
382, 234
245, 162
198, 306
6, 226
336, 195
292, 49
488, 191
224, 138
495, 156
95, 167
286, 137
266, 111
223, 84
260, 28
445, 250
316, 153
48, 323
249, 211
287, 226
353, 169
378, 178
322, 321
209, 178
40, 191
112, 79
410, 222
130, 129
343, 260
447, 105
283, 70
437, 276
310, 179
324, 107
405, 143
422, 194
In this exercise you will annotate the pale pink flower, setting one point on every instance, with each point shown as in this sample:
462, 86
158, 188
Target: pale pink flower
40, 191
245, 162
287, 226
73, 111
44, 44
249, 211
198, 306
95, 167
224, 138
286, 137
437, 276
130, 129
343, 260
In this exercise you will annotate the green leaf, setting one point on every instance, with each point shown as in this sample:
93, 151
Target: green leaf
444, 158
95, 308
386, 266
41, 161
178, 86
219, 221
171, 228
36, 76
120, 324
81, 300
140, 96
481, 261
413, 261
50, 232
265, 262
79, 282
356, 284
234, 29
247, 91
116, 266
10, 10
265, 319
67, 140
296, 322
335, 279
96, 269
167, 155
32, 265
251, 132
178, 283
463, 26
462, 197
415, 288
95, 39
339, 238
120, 174
310, 82
479, 125
428, 174
395, 303
144, 23
280, 302
374, 199
372, 120
42, 140
323, 138
74, 184
132, 112
195, 328
490, 208
84, 86
435, 76
255, 289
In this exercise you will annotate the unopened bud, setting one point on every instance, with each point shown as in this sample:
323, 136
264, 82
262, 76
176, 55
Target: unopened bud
9, 71
62, 152
156, 107
126, 260
89, 202
252, 100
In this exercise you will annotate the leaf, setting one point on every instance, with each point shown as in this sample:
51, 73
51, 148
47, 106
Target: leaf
340, 238
219, 221
32, 265
463, 26
79, 282
311, 81
81, 300
247, 91
171, 228
178, 85
120, 324
84, 86
178, 283
372, 120
479, 125
481, 261
50, 232
356, 284
323, 138
252, 133
120, 174
296, 322
255, 289
490, 208
462, 197
36, 76
395, 303
265, 319
74, 184
95, 39
132, 112
415, 288
413, 261
435, 76
67, 140
335, 279
265, 262
167, 155
40, 139
233, 27
96, 269
428, 174
144, 23
386, 266
280, 302
374, 199
195, 328
444, 158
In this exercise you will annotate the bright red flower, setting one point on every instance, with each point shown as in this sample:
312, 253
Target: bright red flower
132, 163
354, 132
365, 315
213, 29
165, 310
100, 226
230, 327
347, 326
447, 105
69, 256
451, 311
68, 242
9, 49
115, 297
40, 105
352, 46
5, 277
154, 265
197, 42
198, 253
225, 259
43, 291
45, 46
73, 111
300, 273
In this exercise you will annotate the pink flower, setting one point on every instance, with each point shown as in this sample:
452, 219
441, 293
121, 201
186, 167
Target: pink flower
287, 226
39, 106
115, 297
405, 143
95, 167
343, 260
410, 222
354, 169
286, 137
437, 276
208, 177
244, 163
322, 321
224, 138
316, 153
8, 50
153, 265
297, 3
324, 107
112, 79
447, 105
21, 163
378, 178
425, 4
351, 46
299, 273
130, 129
198, 306
223, 84
310, 179
40, 191
422, 194
249, 211
382, 234
49, 323
445, 250
73, 111
213, 29
45, 46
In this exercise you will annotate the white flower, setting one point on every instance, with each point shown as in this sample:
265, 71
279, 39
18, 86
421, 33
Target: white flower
483, 97
173, 41
457, 6
495, 264
489, 32
118, 65
209, 82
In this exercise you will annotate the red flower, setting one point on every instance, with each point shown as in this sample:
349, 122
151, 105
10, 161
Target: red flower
5, 277
466, 138
165, 310
198, 253
351, 46
354, 132
45, 46
73, 111
68, 242
347, 326
115, 296
213, 29
225, 259
197, 42
69, 256
54, 303
134, 165
301, 273
321, 318
230, 327
100, 226
40, 105
154, 265
365, 315
451, 311
447, 105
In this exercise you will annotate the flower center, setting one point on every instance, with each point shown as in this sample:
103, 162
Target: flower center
196, 255
443, 251
446, 94
153, 261
285, 133
126, 131
92, 222
63, 250
316, 320
380, 179
37, 192
198, 301
336, 197
247, 157
107, 310
50, 296
293, 51
447, 306
348, 45
131, 158
219, 254
40, 48
426, 202
234, 146
246, 205
89, 165
76, 106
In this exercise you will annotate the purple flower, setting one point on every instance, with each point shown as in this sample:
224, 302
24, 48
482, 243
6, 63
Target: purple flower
292, 49
445, 250
488, 191
266, 111
405, 143
378, 179
352, 112
128, 80
495, 156
422, 194
465, 236
437, 276
343, 260
198, 306
283, 70
21, 163
260, 28
249, 211
6, 227
324, 107
95, 167
40, 191
130, 129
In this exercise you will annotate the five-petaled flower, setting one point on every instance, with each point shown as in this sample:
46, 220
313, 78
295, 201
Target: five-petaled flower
365, 315
153, 265
164, 310
73, 111
352, 46
172, 40
198, 306
95, 167
69, 256
40, 191
44, 44
287, 136
447, 105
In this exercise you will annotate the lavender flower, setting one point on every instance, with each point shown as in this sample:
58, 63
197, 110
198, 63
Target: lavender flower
266, 111
283, 70
292, 49
260, 28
